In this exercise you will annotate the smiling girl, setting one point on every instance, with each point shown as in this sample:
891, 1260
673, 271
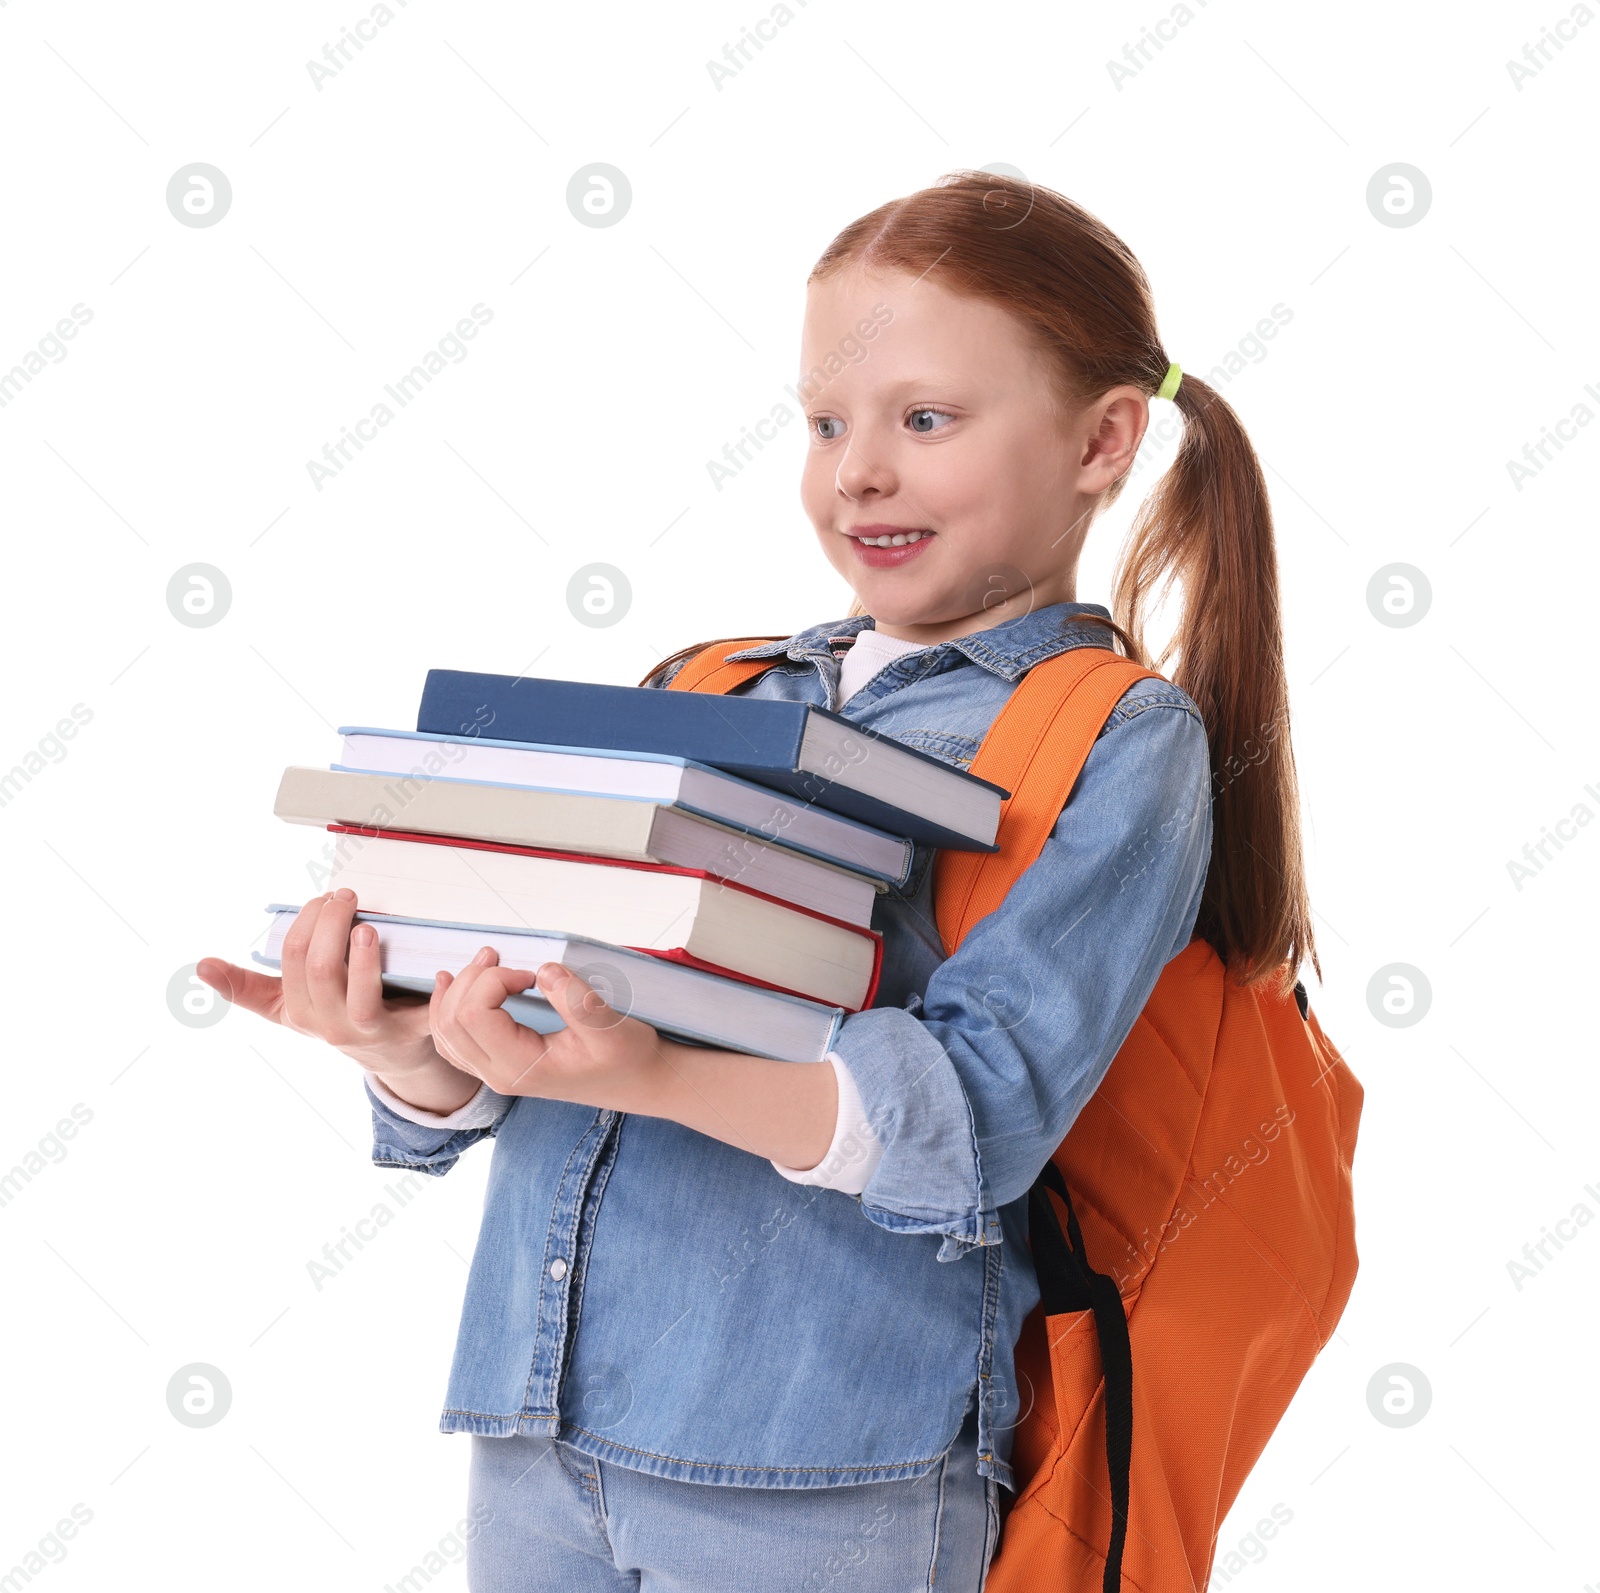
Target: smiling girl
735, 1323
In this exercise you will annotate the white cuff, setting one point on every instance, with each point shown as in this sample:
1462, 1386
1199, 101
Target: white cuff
853, 1157
480, 1112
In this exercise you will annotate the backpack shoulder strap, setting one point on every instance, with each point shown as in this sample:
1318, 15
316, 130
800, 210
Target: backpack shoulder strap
1035, 749
711, 670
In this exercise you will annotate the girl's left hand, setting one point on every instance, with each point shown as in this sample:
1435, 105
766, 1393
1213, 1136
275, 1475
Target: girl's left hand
602, 1058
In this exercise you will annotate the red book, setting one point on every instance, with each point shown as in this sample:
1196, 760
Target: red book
685, 914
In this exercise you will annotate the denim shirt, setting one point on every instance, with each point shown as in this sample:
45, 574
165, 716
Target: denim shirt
667, 1302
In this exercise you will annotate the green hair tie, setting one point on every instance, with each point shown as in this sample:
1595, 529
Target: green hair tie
1169, 382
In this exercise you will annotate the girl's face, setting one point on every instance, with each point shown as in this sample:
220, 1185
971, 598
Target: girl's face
932, 419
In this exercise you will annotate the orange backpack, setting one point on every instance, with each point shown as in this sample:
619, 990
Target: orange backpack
1207, 1181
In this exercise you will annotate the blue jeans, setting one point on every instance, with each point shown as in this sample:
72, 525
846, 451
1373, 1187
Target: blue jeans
557, 1521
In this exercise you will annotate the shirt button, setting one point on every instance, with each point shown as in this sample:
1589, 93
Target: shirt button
558, 1269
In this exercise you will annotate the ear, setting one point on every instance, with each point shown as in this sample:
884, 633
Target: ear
1114, 426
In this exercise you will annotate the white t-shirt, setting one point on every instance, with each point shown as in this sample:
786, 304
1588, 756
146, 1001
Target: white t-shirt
871, 654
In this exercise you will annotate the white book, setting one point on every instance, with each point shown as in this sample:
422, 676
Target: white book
692, 916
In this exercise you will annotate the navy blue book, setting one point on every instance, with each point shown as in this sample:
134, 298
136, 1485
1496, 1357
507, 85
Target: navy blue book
807, 752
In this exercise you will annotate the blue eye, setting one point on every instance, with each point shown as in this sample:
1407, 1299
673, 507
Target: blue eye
827, 420
915, 419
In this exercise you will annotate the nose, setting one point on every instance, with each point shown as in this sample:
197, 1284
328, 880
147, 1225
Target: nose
859, 478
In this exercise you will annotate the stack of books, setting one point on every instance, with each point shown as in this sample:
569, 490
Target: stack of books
709, 864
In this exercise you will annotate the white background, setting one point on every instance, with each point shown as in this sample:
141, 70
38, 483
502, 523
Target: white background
429, 175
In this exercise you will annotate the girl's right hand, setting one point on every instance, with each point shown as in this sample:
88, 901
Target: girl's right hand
332, 988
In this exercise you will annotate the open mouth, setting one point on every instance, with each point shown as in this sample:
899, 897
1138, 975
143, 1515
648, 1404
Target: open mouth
884, 546
894, 539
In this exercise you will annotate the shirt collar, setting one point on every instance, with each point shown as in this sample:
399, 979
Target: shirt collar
1009, 649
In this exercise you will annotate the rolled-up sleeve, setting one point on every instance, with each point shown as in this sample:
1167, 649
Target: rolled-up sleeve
403, 1141
971, 1094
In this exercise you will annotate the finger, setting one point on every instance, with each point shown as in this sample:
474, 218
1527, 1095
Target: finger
452, 1041
471, 1019
365, 989
510, 1049
459, 986
578, 1002
447, 1023
244, 987
441, 984
490, 986
297, 1008
481, 1012
436, 1003
327, 976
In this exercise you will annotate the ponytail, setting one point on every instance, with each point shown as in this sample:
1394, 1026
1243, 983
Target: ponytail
1208, 526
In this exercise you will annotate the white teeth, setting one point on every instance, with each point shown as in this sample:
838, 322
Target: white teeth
895, 540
